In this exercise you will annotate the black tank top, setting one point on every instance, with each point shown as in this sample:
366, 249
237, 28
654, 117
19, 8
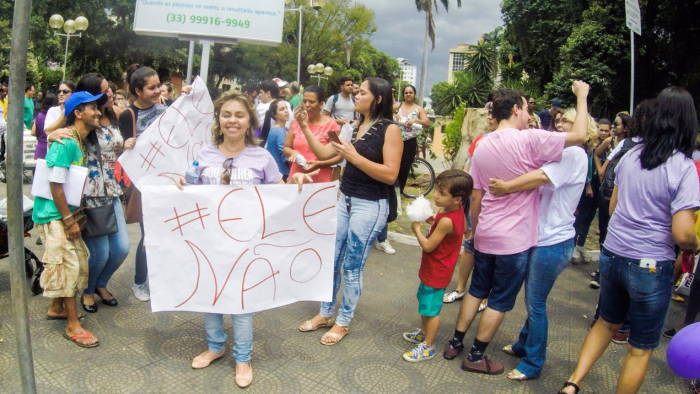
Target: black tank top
356, 183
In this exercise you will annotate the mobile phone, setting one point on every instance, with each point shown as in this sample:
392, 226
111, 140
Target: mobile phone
334, 137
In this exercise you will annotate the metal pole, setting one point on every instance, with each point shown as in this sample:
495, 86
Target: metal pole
301, 11
632, 73
15, 219
204, 67
190, 58
65, 58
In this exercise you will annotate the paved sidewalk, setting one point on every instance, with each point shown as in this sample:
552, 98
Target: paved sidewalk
145, 352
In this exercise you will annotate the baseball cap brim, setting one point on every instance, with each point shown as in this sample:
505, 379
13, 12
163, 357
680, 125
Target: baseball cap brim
78, 98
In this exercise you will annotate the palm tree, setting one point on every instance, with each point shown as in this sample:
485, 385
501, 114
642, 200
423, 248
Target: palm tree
427, 7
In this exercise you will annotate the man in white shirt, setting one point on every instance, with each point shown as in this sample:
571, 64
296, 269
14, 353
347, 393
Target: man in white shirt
341, 106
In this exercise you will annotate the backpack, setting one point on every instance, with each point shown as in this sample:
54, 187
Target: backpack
335, 100
608, 183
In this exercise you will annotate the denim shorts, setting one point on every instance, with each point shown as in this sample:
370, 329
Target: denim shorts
468, 245
499, 278
429, 300
626, 289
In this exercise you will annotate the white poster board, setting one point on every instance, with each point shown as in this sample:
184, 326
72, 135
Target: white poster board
165, 150
254, 22
239, 249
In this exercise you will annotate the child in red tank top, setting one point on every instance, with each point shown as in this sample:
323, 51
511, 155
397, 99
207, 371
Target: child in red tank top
440, 254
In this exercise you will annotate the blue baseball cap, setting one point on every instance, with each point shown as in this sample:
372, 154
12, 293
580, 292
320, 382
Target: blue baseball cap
78, 98
556, 103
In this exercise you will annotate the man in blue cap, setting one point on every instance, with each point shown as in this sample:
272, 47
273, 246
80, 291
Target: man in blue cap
65, 258
547, 114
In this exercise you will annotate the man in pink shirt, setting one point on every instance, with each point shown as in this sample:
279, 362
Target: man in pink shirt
505, 228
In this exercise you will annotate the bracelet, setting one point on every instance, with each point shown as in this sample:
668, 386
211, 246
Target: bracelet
67, 217
70, 225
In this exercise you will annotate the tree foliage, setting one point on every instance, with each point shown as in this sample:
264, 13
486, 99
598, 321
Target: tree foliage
467, 88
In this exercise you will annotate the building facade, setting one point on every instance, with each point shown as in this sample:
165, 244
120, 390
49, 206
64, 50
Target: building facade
408, 71
459, 59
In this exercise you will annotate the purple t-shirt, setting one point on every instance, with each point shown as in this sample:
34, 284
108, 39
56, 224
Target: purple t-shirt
640, 227
253, 166
508, 224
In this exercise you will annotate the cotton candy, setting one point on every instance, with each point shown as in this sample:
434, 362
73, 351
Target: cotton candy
419, 210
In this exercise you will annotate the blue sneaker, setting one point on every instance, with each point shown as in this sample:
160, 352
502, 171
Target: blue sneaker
421, 352
414, 337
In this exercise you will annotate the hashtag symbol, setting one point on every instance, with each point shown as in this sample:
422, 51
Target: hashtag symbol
198, 211
155, 150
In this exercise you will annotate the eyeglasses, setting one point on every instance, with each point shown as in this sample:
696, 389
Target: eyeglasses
226, 175
65, 91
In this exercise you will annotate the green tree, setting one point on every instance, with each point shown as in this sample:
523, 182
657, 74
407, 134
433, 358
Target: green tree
427, 7
467, 89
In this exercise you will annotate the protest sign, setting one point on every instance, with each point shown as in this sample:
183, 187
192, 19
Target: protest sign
242, 249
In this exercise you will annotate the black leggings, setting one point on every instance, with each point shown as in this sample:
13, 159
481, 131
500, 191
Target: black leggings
409, 153
693, 301
587, 207
603, 217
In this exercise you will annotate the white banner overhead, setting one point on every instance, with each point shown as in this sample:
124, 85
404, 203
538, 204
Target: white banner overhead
226, 249
254, 22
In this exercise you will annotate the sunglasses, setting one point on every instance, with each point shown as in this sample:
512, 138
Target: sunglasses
226, 175
65, 91
531, 103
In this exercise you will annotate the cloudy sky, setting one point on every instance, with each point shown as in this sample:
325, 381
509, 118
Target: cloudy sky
401, 30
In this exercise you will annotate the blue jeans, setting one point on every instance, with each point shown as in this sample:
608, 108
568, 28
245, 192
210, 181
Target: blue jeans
628, 291
359, 224
499, 278
107, 253
141, 273
384, 234
242, 335
546, 263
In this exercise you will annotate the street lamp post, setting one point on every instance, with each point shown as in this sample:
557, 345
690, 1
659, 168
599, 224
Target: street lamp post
316, 5
80, 24
318, 71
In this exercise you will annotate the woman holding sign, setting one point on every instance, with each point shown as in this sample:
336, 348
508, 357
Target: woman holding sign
373, 160
234, 158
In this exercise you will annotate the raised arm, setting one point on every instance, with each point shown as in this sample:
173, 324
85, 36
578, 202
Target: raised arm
385, 172
528, 181
579, 130
322, 152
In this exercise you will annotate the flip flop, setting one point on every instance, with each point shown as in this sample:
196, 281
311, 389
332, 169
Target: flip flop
331, 338
85, 335
517, 375
64, 316
308, 325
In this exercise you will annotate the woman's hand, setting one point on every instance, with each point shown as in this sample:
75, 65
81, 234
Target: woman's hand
498, 187
57, 135
186, 89
300, 178
589, 190
301, 116
312, 165
345, 150
293, 157
180, 183
410, 123
130, 143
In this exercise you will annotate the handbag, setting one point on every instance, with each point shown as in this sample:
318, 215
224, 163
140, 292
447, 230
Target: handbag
102, 220
132, 197
687, 280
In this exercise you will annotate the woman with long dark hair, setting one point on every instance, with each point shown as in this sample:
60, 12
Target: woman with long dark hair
274, 134
373, 160
655, 197
50, 100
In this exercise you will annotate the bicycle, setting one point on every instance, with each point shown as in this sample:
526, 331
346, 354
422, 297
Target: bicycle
421, 179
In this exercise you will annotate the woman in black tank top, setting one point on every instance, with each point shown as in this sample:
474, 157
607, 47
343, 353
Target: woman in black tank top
373, 160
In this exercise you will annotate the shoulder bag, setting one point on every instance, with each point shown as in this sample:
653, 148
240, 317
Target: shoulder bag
101, 220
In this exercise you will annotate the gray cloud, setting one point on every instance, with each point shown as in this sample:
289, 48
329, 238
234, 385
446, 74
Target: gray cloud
401, 30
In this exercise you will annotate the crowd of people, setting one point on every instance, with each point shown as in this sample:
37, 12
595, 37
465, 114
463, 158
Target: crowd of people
515, 217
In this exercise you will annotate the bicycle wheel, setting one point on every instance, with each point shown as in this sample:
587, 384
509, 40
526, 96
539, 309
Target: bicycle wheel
421, 179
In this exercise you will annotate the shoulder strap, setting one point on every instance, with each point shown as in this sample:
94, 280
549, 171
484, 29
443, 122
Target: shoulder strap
133, 121
335, 100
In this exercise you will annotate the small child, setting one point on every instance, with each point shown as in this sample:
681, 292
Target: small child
440, 254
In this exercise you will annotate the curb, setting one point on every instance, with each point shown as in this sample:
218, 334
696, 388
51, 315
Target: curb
411, 240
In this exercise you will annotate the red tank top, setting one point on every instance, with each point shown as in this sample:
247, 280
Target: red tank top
436, 267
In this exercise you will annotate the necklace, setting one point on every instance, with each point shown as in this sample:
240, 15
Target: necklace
81, 144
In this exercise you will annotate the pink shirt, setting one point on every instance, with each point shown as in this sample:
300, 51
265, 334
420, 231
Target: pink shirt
508, 224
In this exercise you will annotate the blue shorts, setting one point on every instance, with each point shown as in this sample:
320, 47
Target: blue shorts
628, 290
429, 300
468, 245
499, 278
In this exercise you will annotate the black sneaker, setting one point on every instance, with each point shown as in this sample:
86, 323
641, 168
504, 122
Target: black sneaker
695, 385
670, 333
595, 282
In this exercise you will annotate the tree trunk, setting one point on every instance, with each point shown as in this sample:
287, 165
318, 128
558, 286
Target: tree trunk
423, 69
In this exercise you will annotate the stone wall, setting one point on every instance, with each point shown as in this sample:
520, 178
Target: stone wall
476, 121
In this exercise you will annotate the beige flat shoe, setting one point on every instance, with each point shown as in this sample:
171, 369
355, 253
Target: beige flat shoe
309, 326
517, 375
244, 376
206, 358
508, 349
331, 338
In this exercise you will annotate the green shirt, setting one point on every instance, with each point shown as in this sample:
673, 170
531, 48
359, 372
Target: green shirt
294, 102
59, 155
28, 112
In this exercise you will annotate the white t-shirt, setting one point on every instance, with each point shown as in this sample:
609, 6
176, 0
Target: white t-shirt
558, 200
618, 147
262, 108
344, 108
52, 116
